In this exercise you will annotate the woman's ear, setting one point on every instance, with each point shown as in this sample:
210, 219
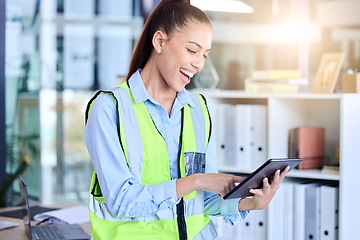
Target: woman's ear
158, 40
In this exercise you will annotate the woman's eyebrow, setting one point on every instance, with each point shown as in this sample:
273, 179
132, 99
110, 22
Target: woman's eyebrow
198, 45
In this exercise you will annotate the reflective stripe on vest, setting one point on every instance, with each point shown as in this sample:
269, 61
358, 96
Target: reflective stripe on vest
154, 168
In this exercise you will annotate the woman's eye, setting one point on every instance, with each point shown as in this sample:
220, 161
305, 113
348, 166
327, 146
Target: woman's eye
191, 51
205, 56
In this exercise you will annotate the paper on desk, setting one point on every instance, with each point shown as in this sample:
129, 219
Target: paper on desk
71, 215
6, 224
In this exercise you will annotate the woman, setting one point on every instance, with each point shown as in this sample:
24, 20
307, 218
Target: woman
151, 145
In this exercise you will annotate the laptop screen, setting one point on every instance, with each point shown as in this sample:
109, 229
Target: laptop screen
25, 207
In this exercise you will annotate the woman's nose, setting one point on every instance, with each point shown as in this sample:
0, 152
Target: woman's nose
198, 63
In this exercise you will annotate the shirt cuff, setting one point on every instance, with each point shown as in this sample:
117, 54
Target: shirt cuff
230, 210
165, 194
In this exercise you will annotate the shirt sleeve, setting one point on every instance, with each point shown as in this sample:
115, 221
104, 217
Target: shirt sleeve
214, 205
123, 194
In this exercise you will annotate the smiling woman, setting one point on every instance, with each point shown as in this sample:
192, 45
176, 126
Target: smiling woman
151, 143
183, 53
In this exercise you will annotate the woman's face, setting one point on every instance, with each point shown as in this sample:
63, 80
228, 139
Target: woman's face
184, 54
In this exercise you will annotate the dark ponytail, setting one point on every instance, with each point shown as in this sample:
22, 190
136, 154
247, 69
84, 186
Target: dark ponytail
168, 16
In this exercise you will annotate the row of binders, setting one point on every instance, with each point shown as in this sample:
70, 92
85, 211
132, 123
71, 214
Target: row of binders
254, 227
299, 210
241, 131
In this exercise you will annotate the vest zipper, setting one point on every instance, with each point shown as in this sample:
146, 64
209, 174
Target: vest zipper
180, 206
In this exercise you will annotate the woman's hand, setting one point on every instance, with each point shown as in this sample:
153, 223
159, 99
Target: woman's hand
210, 182
218, 183
263, 196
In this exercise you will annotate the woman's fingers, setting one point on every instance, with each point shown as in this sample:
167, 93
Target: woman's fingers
283, 174
266, 185
263, 196
279, 177
276, 176
264, 190
229, 185
218, 183
238, 179
255, 191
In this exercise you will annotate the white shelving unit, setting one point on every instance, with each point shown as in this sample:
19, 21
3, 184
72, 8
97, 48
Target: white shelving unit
339, 114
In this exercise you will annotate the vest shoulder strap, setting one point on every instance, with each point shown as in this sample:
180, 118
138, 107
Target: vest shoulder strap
208, 123
88, 109
94, 186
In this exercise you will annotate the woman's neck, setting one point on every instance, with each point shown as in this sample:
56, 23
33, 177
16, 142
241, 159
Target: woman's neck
157, 88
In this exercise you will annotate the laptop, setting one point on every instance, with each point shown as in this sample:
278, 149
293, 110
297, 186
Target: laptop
54, 231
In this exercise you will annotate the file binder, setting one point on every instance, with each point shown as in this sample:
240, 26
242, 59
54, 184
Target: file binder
292, 144
308, 143
225, 136
299, 210
247, 227
220, 134
259, 134
225, 230
276, 208
250, 136
243, 137
259, 224
288, 188
312, 213
329, 209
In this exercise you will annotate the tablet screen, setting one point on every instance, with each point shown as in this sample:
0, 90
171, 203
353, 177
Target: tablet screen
255, 180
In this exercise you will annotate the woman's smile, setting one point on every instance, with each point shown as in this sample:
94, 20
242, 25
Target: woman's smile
185, 75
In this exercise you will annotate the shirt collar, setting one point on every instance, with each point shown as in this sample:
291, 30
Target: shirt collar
140, 94
137, 88
184, 98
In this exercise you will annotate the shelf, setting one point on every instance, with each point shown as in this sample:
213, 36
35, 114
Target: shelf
338, 113
313, 174
229, 94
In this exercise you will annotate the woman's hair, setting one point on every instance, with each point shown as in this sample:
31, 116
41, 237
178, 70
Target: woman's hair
168, 16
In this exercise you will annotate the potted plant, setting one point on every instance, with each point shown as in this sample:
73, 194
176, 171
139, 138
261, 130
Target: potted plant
18, 152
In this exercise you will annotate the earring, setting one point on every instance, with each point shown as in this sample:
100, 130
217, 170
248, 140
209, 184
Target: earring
158, 51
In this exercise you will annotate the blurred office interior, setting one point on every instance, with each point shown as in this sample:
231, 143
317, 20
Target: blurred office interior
58, 53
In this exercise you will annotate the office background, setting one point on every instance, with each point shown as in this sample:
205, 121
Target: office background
55, 54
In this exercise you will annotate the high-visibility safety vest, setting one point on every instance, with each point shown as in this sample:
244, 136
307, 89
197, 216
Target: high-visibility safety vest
182, 221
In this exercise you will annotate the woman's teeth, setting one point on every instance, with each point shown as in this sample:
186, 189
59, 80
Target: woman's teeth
187, 73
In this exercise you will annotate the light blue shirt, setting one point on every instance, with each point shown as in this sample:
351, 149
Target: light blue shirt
124, 196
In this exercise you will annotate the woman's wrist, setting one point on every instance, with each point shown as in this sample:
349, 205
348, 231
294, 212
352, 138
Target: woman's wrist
246, 204
197, 181
187, 185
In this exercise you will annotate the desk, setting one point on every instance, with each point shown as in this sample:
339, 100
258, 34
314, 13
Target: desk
18, 233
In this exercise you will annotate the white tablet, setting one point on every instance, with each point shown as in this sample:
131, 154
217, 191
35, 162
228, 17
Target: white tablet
255, 180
